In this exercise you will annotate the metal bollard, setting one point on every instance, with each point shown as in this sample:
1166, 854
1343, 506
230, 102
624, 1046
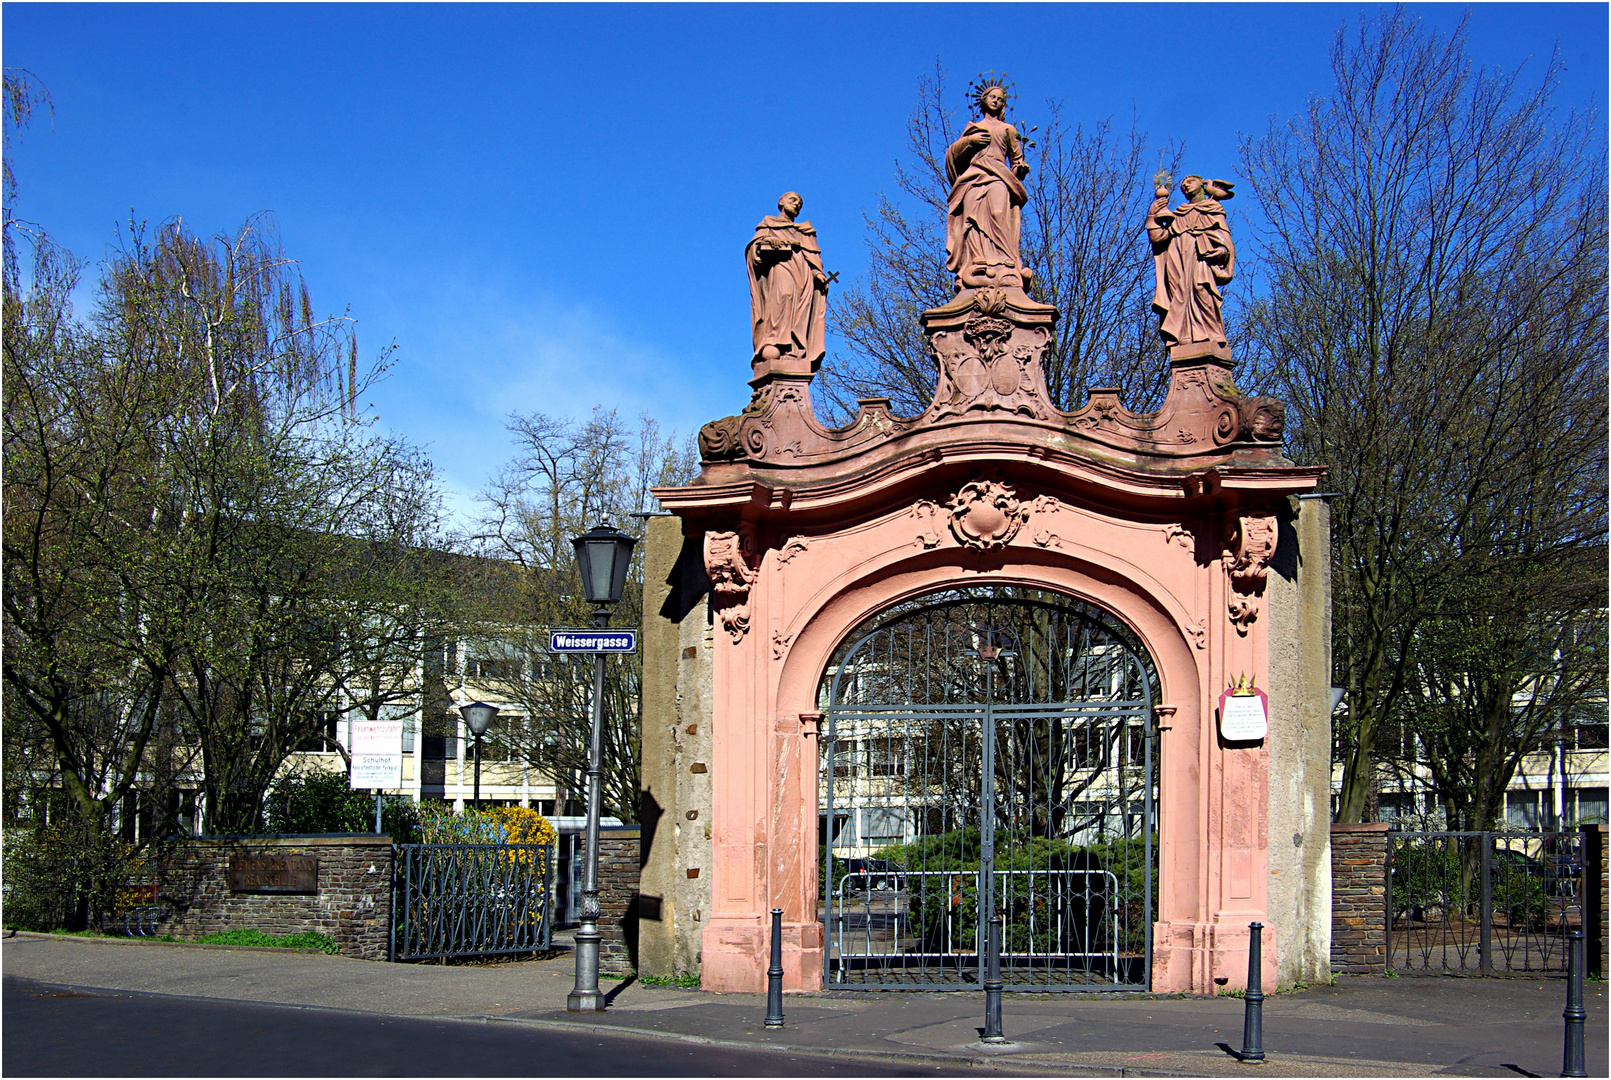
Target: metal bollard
774, 974
1572, 1063
992, 984
1253, 1013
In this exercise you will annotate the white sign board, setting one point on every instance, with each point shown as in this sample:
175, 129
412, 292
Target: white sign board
1243, 717
377, 754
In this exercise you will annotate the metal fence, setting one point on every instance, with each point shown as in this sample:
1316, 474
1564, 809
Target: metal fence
1483, 903
455, 900
921, 929
988, 753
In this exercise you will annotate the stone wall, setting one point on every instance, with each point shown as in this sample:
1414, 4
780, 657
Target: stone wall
618, 899
1358, 899
353, 905
1299, 601
676, 752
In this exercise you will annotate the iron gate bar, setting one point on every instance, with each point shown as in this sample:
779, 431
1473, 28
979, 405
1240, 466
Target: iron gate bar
910, 709
458, 900
1429, 872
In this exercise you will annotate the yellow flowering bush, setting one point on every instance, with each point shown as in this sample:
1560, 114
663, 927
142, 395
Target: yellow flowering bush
522, 825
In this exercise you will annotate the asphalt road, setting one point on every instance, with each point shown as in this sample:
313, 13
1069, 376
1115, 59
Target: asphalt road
59, 1031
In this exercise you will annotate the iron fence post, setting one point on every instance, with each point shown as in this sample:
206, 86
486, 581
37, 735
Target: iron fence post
1253, 1009
774, 974
1572, 1061
1485, 931
1387, 904
992, 983
1591, 861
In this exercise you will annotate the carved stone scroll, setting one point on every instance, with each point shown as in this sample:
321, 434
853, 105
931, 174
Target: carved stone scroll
731, 564
928, 515
1243, 612
1248, 551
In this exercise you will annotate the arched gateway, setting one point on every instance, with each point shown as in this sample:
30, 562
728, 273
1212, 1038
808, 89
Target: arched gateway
990, 641
988, 750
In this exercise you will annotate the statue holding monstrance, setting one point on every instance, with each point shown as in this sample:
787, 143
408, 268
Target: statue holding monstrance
1194, 259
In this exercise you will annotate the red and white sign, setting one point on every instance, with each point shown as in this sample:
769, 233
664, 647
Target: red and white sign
377, 754
1244, 715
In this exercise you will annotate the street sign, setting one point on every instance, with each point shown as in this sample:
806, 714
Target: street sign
593, 641
377, 754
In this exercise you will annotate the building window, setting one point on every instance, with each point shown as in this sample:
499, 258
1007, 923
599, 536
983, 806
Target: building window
1591, 806
1522, 811
883, 825
322, 739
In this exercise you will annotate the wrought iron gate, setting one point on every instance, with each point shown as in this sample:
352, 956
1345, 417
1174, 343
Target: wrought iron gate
1483, 903
471, 899
989, 752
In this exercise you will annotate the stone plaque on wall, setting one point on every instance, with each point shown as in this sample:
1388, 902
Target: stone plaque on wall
250, 873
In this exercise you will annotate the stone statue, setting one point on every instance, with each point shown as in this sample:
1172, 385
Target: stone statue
986, 169
1194, 258
788, 288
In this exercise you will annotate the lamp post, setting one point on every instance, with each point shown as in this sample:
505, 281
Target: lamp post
478, 717
603, 556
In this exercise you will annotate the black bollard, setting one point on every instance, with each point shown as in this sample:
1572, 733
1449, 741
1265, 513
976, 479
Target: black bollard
1572, 1063
992, 984
774, 974
1253, 1013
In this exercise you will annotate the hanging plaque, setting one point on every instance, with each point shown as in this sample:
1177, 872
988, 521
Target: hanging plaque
1244, 715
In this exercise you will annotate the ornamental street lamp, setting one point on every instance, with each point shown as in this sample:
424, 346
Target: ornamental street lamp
603, 556
478, 717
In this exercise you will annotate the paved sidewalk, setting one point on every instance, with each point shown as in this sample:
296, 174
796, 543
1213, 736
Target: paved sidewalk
1360, 1027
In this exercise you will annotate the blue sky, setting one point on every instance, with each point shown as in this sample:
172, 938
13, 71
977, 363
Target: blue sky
545, 206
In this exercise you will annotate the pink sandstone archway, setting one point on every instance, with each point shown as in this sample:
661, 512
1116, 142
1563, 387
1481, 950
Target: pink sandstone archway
794, 570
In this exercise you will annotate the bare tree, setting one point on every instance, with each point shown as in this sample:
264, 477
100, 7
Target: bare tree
1434, 241
1082, 235
564, 478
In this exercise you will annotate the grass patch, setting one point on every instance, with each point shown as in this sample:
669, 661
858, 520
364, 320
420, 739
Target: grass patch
310, 939
688, 981
76, 933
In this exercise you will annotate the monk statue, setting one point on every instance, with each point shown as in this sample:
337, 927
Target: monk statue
1194, 259
788, 288
986, 169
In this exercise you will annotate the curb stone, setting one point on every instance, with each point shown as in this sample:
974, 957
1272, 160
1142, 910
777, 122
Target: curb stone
35, 936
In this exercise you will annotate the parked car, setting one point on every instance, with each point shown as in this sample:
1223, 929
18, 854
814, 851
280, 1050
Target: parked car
872, 875
1506, 860
1563, 864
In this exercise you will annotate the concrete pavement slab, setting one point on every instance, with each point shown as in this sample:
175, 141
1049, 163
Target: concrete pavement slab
1373, 1027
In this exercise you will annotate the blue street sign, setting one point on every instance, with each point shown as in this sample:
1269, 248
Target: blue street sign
593, 641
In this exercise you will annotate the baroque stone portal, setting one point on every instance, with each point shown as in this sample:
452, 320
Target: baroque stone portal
795, 534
